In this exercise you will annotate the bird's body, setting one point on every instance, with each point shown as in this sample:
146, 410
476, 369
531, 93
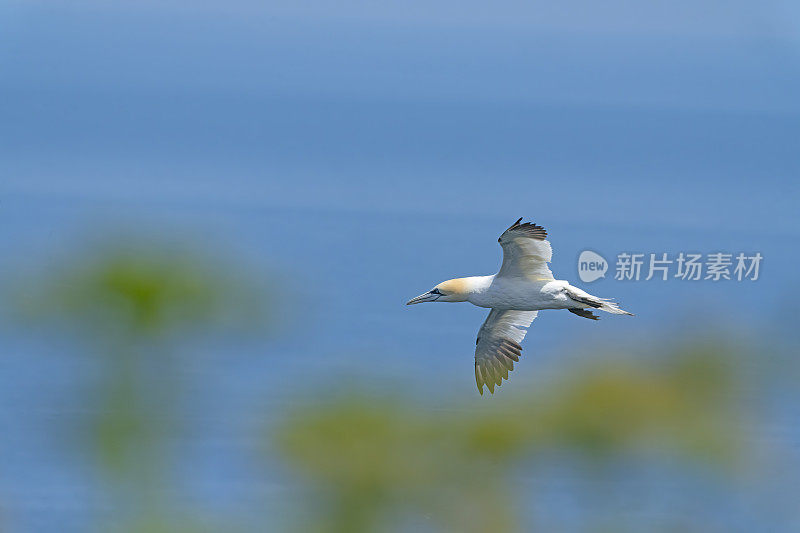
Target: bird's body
523, 286
522, 294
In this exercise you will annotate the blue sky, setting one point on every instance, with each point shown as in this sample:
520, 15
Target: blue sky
627, 126
404, 107
620, 127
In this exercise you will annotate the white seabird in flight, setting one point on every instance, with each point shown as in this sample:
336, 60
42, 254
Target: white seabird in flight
523, 286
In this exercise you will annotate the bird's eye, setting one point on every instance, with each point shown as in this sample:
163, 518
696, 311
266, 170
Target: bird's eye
435, 291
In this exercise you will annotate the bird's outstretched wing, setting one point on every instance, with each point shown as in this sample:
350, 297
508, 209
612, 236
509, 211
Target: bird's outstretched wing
497, 347
526, 252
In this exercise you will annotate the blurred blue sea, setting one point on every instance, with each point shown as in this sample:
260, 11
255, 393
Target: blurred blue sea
356, 155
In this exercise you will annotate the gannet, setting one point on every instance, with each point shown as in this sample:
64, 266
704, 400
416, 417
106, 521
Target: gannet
523, 286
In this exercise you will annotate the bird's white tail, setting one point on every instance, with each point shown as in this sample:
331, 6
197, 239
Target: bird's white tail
612, 307
603, 304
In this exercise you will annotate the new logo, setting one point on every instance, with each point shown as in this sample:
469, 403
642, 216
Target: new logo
591, 266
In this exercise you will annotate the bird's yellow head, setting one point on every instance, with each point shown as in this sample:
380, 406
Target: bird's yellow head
452, 290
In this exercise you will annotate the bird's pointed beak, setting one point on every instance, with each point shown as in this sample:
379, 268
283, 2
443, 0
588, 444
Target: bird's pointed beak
425, 297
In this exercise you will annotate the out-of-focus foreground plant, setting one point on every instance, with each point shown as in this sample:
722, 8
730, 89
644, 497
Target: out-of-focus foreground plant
130, 304
374, 465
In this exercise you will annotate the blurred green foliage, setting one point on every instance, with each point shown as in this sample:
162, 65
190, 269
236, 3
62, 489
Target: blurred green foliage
372, 462
129, 301
140, 290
